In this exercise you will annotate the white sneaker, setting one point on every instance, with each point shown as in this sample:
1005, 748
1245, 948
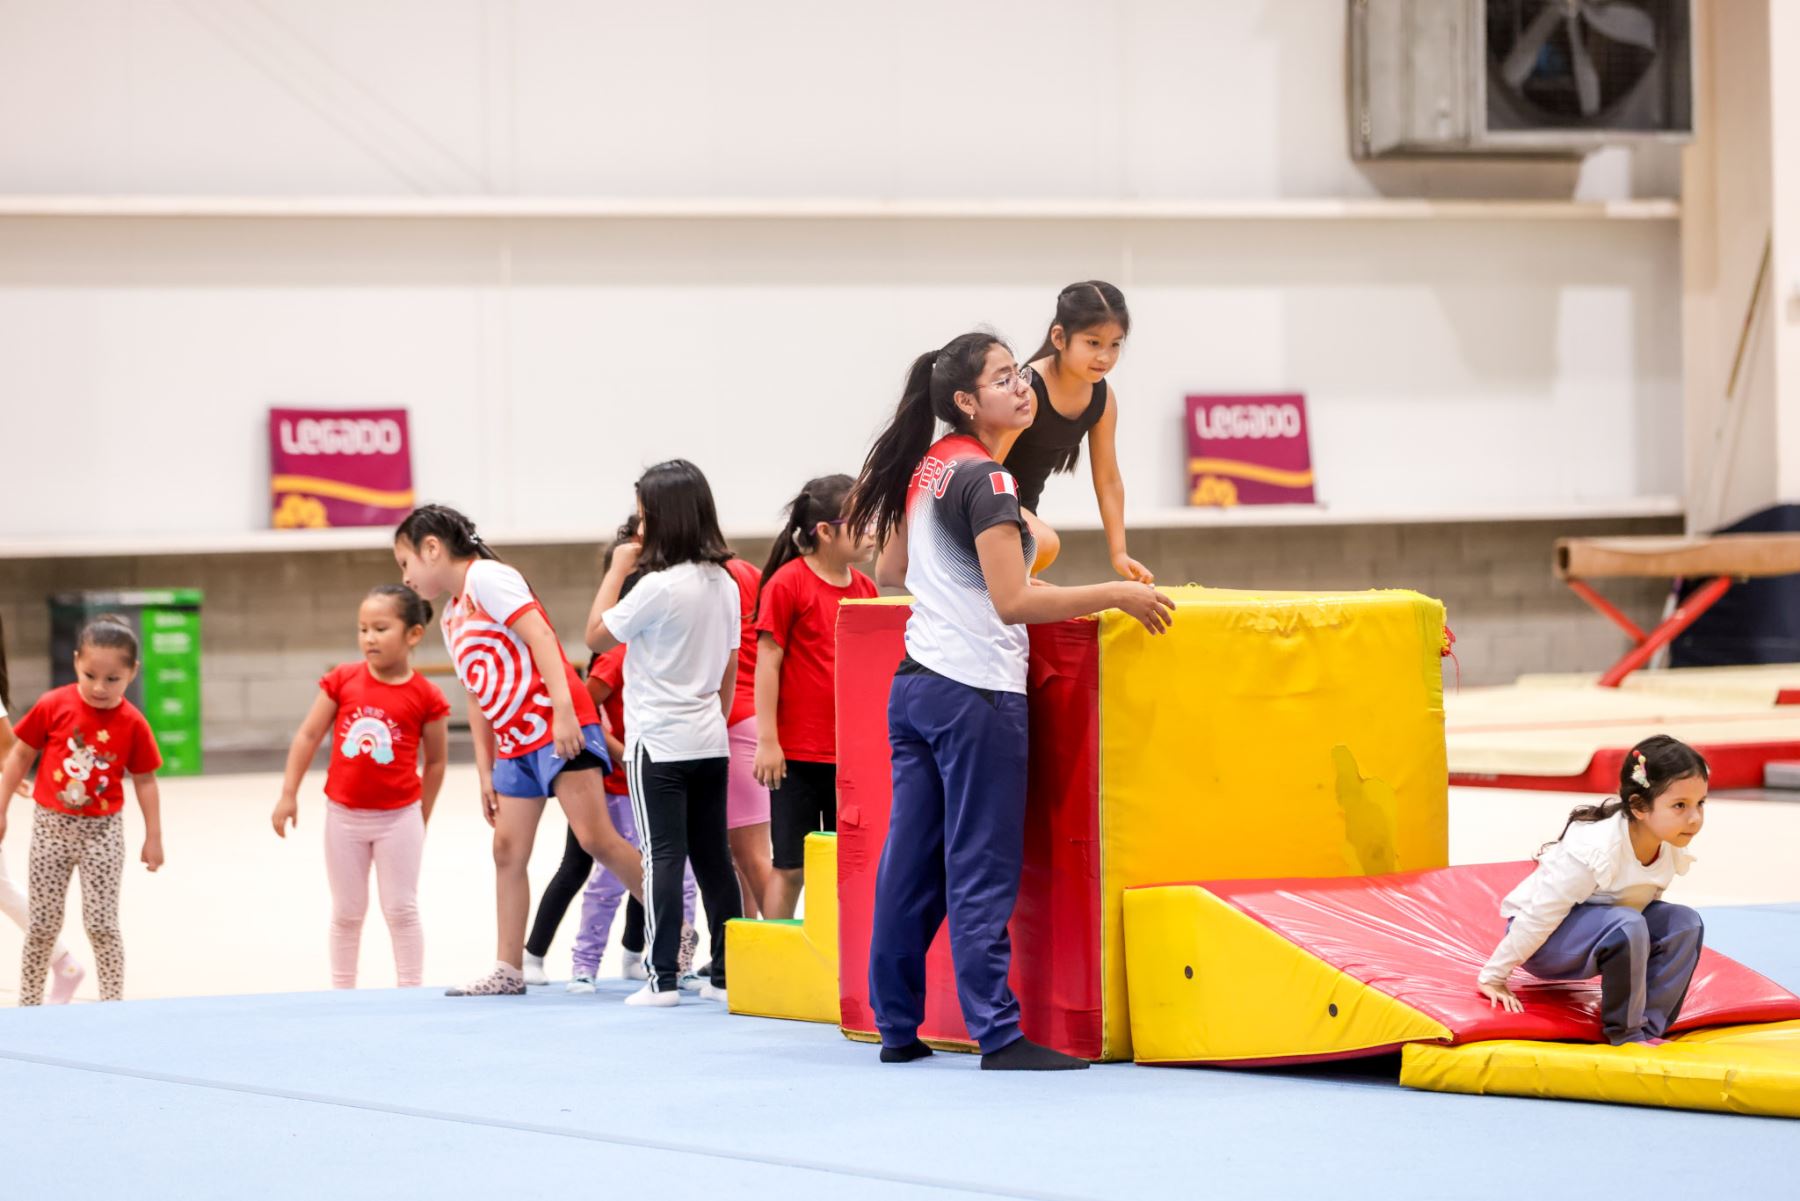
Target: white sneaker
690, 982
690, 943
634, 968
654, 1000
580, 984
712, 992
534, 970
66, 974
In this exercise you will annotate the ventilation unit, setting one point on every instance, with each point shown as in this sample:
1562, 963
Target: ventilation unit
1517, 76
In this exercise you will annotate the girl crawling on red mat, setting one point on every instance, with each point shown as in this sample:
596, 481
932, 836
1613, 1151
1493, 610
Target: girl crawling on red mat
1593, 907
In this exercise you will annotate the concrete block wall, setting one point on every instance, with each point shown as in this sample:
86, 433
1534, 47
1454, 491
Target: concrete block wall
274, 623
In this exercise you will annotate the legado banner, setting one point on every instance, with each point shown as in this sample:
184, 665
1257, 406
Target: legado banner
1249, 450
338, 467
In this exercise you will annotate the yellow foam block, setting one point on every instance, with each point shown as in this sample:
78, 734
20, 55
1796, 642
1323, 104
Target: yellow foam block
1730, 1069
789, 969
1267, 734
1192, 960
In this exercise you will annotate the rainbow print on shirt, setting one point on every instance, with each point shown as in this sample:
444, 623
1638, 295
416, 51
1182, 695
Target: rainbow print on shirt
370, 732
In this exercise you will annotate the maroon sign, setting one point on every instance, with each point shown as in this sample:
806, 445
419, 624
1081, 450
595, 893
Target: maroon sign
336, 467
1249, 450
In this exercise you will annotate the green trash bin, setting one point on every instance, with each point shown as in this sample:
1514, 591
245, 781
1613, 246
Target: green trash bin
167, 687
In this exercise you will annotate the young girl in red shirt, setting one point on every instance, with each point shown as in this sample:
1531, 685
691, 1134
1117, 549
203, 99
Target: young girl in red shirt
810, 572
66, 972
388, 727
537, 733
746, 797
91, 738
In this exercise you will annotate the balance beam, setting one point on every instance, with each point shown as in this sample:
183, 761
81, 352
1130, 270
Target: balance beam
1721, 560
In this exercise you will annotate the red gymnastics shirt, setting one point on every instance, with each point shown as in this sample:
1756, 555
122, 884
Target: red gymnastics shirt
609, 669
495, 665
800, 612
375, 740
743, 701
87, 752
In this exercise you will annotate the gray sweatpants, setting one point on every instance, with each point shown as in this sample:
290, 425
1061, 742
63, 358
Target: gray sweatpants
1644, 961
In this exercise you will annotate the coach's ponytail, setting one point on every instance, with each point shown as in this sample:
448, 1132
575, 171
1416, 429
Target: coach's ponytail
878, 498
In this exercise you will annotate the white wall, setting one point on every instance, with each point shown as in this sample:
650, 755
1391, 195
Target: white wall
1153, 98
1741, 184
1784, 145
1450, 364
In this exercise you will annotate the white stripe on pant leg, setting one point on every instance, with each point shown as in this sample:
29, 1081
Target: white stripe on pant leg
634, 787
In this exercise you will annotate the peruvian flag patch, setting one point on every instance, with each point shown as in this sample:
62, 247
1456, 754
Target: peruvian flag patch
1003, 483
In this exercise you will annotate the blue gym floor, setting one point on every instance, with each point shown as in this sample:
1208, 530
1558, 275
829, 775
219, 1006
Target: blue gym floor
392, 1095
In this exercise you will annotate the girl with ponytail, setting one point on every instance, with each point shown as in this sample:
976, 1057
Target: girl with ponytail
1068, 376
66, 972
537, 733
947, 517
810, 572
388, 727
1593, 906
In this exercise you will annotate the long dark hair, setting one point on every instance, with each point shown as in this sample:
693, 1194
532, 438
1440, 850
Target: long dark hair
455, 531
112, 632
821, 500
878, 498
413, 609
5, 679
681, 523
1083, 306
1660, 760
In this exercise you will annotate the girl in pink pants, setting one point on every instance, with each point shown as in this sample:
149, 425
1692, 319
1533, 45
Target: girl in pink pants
388, 737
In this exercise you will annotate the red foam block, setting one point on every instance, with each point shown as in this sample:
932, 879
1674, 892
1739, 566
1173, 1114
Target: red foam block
1055, 929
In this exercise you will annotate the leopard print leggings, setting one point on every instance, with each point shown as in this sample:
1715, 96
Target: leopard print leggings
61, 843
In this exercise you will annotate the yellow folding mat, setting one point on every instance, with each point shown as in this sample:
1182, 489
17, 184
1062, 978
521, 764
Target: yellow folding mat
789, 969
1268, 734
1726, 1069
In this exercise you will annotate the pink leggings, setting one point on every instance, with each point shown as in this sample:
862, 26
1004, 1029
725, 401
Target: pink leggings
394, 840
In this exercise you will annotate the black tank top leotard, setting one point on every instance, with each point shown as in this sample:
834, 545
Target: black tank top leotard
1052, 443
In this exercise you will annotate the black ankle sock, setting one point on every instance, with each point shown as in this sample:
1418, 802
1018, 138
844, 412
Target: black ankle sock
911, 1051
1023, 1055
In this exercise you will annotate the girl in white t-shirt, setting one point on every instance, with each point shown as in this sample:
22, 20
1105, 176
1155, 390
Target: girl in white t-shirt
1593, 907
681, 628
66, 972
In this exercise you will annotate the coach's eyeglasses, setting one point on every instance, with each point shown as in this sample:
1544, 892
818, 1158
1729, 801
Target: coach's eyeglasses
1013, 381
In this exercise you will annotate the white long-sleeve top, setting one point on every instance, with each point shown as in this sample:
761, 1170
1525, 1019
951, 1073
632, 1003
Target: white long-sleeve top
1593, 863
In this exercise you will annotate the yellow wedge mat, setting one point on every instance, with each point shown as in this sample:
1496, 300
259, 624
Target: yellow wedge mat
1210, 984
1729, 1069
782, 969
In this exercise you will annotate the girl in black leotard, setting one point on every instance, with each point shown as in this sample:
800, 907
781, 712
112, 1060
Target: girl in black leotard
1073, 403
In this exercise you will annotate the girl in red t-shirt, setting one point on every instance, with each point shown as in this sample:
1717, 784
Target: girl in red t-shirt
388, 727
810, 572
66, 972
91, 738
